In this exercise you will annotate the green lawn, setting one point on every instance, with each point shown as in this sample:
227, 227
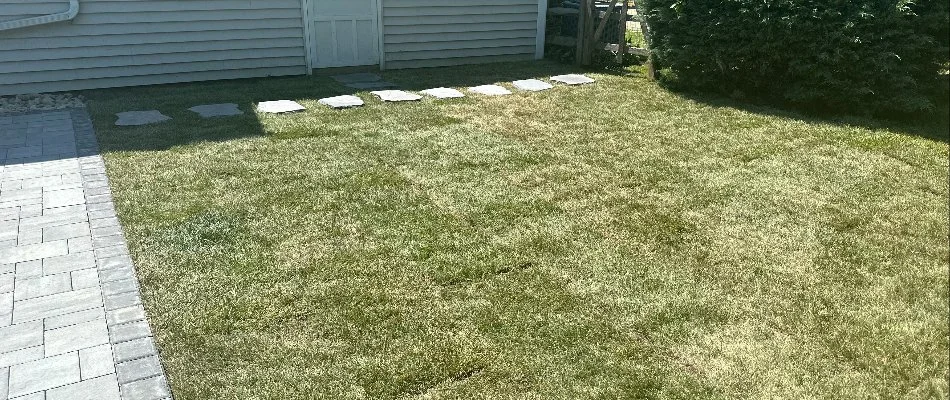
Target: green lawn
600, 242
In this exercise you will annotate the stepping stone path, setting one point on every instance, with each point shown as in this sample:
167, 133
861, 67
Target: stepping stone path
572, 79
363, 81
217, 110
342, 101
279, 106
532, 85
443, 93
136, 118
490, 90
396, 95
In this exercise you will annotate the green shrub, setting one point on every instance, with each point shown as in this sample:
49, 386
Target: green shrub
873, 56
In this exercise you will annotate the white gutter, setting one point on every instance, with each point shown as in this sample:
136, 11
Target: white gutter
43, 19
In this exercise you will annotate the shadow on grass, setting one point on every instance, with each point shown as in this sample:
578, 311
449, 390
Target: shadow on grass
187, 127
934, 127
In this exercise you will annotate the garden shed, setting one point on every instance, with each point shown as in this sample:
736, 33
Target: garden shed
58, 45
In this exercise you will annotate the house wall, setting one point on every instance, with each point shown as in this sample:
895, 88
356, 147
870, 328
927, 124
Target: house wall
115, 43
430, 33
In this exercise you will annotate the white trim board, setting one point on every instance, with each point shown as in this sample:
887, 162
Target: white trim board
542, 28
382, 35
308, 36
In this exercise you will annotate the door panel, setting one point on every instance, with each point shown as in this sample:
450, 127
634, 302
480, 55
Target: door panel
344, 33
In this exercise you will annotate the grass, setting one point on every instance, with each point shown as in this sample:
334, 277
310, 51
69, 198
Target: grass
608, 241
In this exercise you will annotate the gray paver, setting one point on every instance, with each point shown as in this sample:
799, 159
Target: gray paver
4, 380
80, 244
155, 388
21, 336
443, 93
6, 283
345, 101
134, 349
33, 252
532, 85
572, 79
66, 231
57, 304
64, 197
68, 263
86, 278
216, 110
60, 321
130, 331
136, 118
44, 374
29, 269
490, 90
117, 274
21, 356
41, 286
112, 288
75, 337
125, 315
101, 388
396, 95
33, 396
141, 368
96, 361
122, 300
280, 106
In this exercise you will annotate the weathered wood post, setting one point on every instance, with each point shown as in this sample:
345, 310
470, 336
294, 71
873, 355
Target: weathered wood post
622, 44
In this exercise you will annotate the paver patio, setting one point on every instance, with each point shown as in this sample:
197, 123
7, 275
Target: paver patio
72, 324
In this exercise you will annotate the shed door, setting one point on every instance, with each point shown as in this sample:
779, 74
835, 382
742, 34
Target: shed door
344, 33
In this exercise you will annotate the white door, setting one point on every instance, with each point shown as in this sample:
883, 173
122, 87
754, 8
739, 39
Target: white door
344, 33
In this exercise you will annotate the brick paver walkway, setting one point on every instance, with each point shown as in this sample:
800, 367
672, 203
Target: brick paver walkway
72, 324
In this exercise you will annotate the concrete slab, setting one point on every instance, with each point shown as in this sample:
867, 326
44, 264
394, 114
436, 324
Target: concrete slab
346, 101
572, 79
279, 107
532, 85
216, 110
137, 118
443, 93
396, 95
490, 90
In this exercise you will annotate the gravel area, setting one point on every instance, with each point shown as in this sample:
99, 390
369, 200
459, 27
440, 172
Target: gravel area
38, 102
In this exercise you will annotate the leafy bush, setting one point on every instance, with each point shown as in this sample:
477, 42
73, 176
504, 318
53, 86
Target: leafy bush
875, 56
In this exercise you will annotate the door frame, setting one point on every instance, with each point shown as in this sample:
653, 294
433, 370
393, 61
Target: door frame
310, 51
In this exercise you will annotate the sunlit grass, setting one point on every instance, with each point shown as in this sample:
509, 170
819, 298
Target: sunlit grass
607, 241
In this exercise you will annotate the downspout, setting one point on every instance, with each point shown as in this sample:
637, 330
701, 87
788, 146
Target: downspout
43, 19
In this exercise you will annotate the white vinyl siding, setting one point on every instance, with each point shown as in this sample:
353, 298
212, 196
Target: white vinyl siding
115, 43
430, 33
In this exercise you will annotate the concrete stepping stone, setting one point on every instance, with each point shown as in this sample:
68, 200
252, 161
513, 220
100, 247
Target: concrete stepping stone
342, 101
572, 79
396, 95
357, 78
490, 90
217, 110
443, 93
532, 85
371, 85
136, 118
279, 106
